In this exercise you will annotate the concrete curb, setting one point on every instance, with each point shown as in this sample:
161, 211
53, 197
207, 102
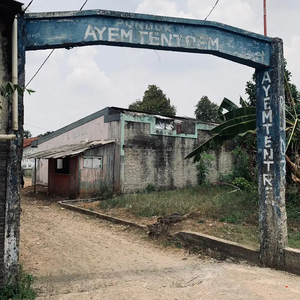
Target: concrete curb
212, 246
66, 204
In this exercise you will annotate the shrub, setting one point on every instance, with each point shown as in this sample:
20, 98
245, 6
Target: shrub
243, 184
203, 167
150, 188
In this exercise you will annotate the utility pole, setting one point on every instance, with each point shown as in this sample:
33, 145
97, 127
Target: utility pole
10, 151
265, 17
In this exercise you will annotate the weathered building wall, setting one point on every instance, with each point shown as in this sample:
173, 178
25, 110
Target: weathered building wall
160, 159
155, 159
27, 164
221, 164
41, 171
96, 129
94, 182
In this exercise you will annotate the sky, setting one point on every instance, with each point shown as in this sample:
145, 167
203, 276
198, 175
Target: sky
78, 82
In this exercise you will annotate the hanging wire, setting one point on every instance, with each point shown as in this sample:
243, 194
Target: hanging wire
38, 70
212, 9
28, 5
157, 56
36, 126
83, 5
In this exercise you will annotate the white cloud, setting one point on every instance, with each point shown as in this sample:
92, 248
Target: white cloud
292, 52
162, 7
86, 73
75, 83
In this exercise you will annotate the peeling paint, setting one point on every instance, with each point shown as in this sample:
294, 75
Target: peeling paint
270, 117
70, 29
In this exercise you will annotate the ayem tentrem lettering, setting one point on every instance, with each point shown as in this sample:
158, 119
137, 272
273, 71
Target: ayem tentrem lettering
267, 120
150, 34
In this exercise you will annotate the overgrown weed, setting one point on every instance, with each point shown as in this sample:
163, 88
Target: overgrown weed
204, 201
22, 290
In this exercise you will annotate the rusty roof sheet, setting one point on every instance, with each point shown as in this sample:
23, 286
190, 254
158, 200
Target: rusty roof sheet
27, 141
69, 150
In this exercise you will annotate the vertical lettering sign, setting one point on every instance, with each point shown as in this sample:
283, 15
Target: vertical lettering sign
267, 123
271, 137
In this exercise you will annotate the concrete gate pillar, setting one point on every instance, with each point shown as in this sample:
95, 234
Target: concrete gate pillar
10, 155
270, 116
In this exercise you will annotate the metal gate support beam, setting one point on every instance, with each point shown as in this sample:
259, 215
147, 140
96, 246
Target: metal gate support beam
70, 29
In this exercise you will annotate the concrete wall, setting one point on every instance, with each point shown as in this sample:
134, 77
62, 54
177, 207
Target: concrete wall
159, 159
221, 164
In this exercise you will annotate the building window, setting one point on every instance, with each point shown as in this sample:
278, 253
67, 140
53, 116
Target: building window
62, 166
92, 162
59, 163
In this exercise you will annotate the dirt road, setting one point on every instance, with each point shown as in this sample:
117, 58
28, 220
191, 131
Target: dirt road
75, 257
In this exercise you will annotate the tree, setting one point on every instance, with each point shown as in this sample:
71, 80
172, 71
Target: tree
44, 134
250, 91
154, 101
292, 95
27, 134
238, 120
206, 110
242, 121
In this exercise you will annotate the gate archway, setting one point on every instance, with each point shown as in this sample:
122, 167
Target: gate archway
98, 27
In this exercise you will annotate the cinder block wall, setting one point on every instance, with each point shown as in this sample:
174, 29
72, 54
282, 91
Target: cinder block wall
160, 160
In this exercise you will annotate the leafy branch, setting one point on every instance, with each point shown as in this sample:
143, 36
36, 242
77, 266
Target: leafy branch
9, 89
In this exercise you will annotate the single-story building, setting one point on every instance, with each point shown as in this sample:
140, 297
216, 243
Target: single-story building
123, 150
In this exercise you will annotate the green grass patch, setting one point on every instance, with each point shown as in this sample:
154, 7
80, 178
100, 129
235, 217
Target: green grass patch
220, 203
19, 291
203, 202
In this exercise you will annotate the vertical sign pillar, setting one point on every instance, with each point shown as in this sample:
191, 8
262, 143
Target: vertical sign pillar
271, 158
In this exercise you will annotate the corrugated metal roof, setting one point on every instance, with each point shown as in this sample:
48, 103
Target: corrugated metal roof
69, 150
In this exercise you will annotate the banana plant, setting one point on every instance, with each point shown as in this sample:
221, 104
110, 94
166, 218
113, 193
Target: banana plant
241, 121
237, 121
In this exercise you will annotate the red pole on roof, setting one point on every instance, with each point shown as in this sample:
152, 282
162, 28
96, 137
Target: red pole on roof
265, 17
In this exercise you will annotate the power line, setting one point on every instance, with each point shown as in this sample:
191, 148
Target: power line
212, 9
83, 5
38, 70
28, 5
36, 126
